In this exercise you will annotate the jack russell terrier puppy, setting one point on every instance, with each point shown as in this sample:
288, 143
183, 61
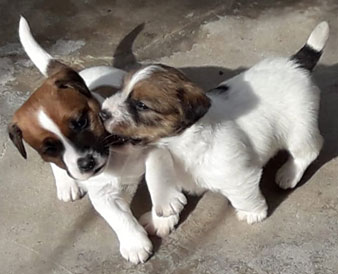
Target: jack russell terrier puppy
61, 122
221, 140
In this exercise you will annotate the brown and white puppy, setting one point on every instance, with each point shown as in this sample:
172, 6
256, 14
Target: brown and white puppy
61, 122
156, 101
222, 139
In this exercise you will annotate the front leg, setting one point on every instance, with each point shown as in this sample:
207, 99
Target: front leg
167, 199
134, 243
166, 196
66, 187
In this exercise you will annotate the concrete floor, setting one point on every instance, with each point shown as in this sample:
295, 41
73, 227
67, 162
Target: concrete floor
211, 40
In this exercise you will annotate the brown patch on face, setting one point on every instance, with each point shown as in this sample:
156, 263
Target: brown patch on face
64, 97
162, 105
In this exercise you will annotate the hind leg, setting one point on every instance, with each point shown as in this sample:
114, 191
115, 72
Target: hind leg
302, 154
251, 209
246, 197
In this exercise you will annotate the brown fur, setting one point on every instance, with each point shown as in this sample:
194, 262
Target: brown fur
174, 102
63, 96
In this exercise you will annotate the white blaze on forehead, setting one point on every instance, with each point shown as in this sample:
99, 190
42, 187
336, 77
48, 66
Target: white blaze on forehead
70, 156
48, 124
141, 75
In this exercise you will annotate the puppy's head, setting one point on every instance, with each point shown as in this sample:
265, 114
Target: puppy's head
60, 121
155, 102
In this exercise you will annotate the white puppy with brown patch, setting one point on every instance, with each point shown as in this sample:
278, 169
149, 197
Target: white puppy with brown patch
221, 140
60, 120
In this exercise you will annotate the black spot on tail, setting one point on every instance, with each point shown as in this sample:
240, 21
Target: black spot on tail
307, 57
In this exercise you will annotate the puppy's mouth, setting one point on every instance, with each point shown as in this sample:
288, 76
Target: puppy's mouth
97, 170
94, 172
119, 140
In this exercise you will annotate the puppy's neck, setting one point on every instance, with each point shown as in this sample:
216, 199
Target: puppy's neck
185, 137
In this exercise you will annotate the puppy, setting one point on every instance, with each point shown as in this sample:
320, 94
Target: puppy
221, 140
61, 122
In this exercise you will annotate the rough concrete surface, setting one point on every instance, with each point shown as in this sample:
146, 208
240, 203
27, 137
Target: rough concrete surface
210, 40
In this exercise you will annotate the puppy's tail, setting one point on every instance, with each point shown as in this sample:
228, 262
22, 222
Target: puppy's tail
308, 56
36, 53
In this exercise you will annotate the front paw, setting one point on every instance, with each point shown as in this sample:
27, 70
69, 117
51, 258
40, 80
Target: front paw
159, 226
171, 204
69, 191
136, 248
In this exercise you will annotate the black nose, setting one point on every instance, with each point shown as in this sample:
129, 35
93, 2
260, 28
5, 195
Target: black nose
87, 163
105, 115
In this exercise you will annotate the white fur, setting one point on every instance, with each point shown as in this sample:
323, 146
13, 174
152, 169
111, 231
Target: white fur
116, 106
37, 54
271, 106
105, 193
166, 199
67, 188
139, 76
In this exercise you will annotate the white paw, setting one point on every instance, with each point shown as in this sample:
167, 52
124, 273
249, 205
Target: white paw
69, 191
159, 226
170, 204
252, 217
136, 248
288, 175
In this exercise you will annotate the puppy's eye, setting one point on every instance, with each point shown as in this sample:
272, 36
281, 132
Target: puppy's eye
140, 105
52, 148
62, 86
104, 115
80, 123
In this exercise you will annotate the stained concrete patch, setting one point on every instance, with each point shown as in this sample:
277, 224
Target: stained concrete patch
6, 71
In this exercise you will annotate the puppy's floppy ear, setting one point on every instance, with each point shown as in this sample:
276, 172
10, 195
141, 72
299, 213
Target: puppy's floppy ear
69, 78
194, 103
15, 134
66, 77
